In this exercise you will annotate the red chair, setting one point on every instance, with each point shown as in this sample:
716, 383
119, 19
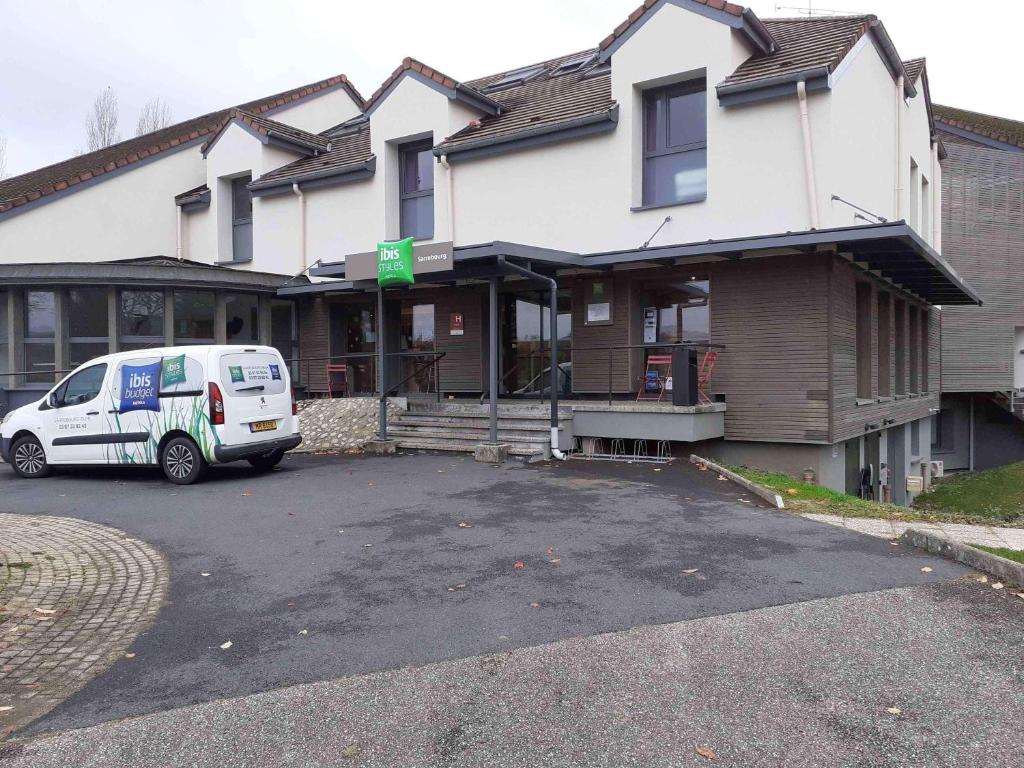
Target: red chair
337, 378
652, 383
707, 365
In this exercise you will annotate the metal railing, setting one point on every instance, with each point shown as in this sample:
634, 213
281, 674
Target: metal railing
304, 366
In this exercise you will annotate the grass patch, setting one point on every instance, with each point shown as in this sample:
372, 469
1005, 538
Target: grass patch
995, 495
806, 497
1010, 554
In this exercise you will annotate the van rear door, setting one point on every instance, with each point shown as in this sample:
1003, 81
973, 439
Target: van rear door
257, 396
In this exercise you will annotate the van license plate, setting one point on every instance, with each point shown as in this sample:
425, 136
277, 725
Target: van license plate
262, 426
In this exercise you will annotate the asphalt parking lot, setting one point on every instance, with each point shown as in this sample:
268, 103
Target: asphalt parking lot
341, 565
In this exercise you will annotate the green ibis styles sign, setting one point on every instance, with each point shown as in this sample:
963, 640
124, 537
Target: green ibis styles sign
394, 263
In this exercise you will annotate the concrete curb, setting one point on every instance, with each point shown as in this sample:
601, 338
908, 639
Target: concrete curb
1004, 569
770, 496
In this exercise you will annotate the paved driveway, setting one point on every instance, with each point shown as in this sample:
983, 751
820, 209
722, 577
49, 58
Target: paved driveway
334, 566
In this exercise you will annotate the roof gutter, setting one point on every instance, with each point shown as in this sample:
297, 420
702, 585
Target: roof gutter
778, 86
892, 58
340, 175
757, 32
587, 125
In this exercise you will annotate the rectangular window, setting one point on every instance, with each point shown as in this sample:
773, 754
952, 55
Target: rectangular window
924, 351
942, 431
5, 381
283, 335
194, 317
914, 350
40, 336
241, 219
915, 438
416, 190
926, 209
243, 314
141, 319
915, 194
884, 345
900, 351
684, 313
88, 325
675, 144
863, 341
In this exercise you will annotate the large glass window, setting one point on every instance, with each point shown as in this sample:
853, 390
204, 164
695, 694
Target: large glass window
417, 336
900, 345
194, 313
684, 312
864, 302
82, 387
884, 345
40, 335
243, 318
5, 381
675, 144
241, 219
88, 325
416, 190
141, 319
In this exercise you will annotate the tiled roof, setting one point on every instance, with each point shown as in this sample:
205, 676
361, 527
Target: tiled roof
269, 127
914, 68
195, 193
804, 43
547, 99
42, 182
635, 16
412, 65
998, 128
346, 150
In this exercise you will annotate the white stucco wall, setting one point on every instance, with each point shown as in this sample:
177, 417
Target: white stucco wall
316, 114
128, 215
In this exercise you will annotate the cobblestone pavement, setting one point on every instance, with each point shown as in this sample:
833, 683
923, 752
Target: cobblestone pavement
73, 597
1011, 538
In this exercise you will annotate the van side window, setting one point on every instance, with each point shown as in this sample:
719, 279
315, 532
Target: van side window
82, 386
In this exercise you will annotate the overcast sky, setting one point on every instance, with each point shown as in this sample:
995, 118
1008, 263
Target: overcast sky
56, 55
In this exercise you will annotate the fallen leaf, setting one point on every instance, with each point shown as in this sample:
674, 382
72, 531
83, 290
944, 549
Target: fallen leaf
746, 501
464, 524
657, 469
351, 750
1020, 595
702, 467
303, 631
894, 543
248, 493
204, 574
456, 588
225, 646
705, 751
45, 610
894, 710
535, 605
129, 655
722, 477
983, 579
997, 585
520, 564
691, 570
440, 471
367, 545
371, 483
926, 569
792, 491
6, 709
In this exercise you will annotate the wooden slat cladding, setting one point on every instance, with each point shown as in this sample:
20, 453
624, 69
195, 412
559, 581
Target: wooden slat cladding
771, 315
983, 238
850, 414
590, 369
313, 341
462, 369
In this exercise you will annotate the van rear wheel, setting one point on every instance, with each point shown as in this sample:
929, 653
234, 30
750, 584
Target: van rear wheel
182, 461
267, 461
29, 459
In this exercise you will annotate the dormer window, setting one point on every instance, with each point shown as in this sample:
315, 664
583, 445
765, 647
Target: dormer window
675, 144
516, 77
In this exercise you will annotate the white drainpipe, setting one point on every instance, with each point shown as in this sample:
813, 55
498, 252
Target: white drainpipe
302, 225
899, 148
805, 126
451, 196
179, 245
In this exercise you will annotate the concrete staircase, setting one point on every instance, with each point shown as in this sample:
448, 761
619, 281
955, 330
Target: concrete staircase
461, 426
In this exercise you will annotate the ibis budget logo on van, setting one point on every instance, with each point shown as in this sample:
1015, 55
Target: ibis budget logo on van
394, 263
140, 388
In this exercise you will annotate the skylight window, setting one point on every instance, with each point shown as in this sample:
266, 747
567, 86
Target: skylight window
517, 77
573, 64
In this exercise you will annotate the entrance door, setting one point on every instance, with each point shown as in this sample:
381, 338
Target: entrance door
1018, 359
525, 327
354, 331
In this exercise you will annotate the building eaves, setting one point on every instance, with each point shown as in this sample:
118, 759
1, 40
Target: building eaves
194, 199
43, 184
437, 80
1001, 130
271, 132
349, 159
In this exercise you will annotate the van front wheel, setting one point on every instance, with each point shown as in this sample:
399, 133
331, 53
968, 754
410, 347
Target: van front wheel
267, 461
28, 458
182, 461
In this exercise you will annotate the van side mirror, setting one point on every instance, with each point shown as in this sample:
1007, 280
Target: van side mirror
51, 400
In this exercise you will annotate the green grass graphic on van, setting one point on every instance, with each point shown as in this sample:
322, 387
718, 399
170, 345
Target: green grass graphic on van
179, 414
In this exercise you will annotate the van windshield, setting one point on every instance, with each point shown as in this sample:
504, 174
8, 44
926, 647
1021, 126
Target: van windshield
250, 374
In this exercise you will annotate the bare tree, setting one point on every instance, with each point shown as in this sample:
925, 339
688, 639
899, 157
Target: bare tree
101, 123
155, 115
3, 157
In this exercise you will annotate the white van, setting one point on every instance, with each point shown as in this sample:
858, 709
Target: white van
182, 408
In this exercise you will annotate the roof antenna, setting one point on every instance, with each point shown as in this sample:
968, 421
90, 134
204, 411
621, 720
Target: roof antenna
648, 241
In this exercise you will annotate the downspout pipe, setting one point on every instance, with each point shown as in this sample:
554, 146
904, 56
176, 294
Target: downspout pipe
553, 287
809, 172
179, 245
443, 159
898, 207
297, 191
